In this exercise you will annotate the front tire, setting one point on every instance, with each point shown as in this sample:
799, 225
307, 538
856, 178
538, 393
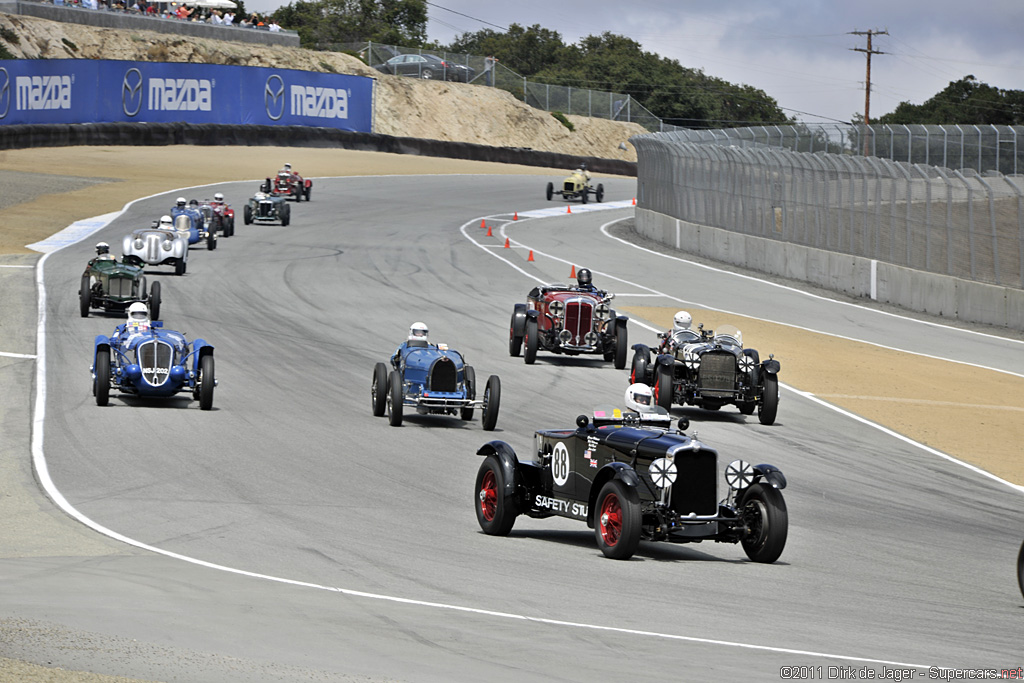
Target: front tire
427, 74
247, 215
154, 301
769, 406
395, 399
639, 368
101, 384
515, 344
492, 401
531, 341
663, 387
1020, 569
379, 390
286, 215
179, 267
207, 381
469, 376
621, 344
583, 195
617, 521
550, 191
599, 195
211, 240
767, 519
495, 512
85, 296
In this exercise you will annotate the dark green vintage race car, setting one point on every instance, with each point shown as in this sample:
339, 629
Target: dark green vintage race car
114, 285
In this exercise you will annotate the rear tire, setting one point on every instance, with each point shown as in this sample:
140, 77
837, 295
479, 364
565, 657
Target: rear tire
583, 195
247, 215
207, 381
764, 511
379, 390
621, 344
599, 195
769, 406
663, 387
179, 267
492, 401
469, 376
617, 520
308, 192
515, 344
154, 302
550, 191
1020, 569
531, 341
395, 399
286, 215
85, 296
639, 369
101, 384
495, 512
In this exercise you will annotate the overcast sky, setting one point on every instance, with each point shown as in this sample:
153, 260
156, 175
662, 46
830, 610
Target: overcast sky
796, 51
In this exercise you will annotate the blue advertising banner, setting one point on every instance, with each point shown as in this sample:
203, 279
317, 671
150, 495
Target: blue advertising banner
92, 91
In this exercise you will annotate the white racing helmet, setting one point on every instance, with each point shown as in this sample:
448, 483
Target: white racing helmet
138, 312
681, 321
166, 222
219, 197
418, 330
102, 248
639, 398
288, 167
180, 201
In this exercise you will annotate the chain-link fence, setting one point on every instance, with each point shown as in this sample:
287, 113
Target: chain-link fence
930, 218
456, 66
982, 148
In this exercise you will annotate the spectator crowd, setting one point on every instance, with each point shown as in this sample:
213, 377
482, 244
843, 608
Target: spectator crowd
184, 11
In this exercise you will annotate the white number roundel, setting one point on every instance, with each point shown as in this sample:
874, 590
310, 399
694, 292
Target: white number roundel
560, 464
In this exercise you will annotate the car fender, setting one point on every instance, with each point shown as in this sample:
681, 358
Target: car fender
506, 455
519, 320
666, 359
613, 470
102, 342
200, 349
772, 474
644, 349
771, 366
533, 313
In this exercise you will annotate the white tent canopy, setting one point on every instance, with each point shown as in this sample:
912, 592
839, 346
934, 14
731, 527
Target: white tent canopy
218, 4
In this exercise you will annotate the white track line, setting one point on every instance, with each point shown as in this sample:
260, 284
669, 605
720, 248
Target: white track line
8, 354
809, 396
42, 472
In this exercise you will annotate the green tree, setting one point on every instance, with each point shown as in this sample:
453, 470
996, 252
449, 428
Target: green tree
327, 22
967, 101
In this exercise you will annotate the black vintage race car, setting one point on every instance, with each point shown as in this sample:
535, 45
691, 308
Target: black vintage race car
114, 285
709, 369
631, 477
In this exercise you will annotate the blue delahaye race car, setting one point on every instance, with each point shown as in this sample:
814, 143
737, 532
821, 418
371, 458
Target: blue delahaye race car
143, 359
436, 381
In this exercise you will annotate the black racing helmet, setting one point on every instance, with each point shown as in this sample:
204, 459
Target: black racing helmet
583, 277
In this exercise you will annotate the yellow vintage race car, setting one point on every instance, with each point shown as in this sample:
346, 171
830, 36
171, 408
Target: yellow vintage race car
577, 185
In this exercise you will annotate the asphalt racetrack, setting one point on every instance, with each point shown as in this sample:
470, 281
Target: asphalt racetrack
291, 535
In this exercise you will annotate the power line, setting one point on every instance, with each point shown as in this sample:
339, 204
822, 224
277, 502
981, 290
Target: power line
503, 28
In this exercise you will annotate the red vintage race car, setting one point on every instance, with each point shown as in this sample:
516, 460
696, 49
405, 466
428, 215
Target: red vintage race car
218, 215
568, 320
288, 184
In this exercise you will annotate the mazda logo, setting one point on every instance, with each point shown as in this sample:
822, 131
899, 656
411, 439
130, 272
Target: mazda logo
5, 92
131, 92
273, 97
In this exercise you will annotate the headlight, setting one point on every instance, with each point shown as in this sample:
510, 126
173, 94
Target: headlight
139, 244
167, 245
602, 311
693, 362
663, 472
565, 335
556, 308
746, 363
591, 338
739, 475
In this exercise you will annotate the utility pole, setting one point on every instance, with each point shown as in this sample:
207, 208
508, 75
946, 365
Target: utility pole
867, 84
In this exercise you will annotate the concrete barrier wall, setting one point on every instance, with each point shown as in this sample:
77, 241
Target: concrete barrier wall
916, 290
126, 20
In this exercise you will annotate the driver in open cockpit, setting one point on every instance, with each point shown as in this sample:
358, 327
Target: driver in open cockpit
418, 338
639, 398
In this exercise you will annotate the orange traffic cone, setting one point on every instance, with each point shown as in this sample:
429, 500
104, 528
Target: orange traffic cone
572, 273
568, 208
515, 216
489, 231
483, 223
507, 245
634, 201
531, 255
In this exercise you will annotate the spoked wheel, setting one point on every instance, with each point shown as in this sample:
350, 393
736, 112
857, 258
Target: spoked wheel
764, 512
617, 526
531, 341
638, 370
101, 383
395, 399
495, 512
769, 406
207, 381
379, 389
492, 401
85, 296
154, 302
469, 375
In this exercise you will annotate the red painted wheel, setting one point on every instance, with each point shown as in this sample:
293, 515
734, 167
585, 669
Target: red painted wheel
617, 526
495, 510
488, 497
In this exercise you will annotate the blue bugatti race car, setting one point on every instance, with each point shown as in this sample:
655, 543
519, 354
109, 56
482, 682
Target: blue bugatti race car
433, 379
143, 359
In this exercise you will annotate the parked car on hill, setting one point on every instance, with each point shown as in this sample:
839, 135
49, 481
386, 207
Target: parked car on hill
426, 66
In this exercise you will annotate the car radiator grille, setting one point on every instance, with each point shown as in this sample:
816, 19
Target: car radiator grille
717, 375
579, 319
153, 248
569, 187
265, 209
155, 358
443, 376
696, 486
120, 287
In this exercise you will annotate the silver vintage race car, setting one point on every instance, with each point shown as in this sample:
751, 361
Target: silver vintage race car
159, 245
